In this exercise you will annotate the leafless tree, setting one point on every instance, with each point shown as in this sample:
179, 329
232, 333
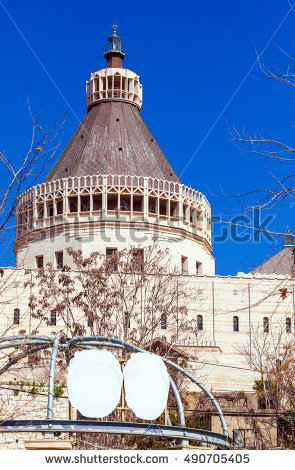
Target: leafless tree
20, 172
274, 150
271, 356
135, 295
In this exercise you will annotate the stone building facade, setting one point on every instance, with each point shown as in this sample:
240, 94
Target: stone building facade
112, 188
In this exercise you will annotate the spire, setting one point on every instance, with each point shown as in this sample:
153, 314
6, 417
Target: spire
288, 237
113, 51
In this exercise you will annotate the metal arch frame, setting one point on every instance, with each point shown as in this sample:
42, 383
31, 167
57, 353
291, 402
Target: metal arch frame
43, 342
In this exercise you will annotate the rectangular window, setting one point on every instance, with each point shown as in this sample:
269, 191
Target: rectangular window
244, 438
173, 209
163, 321
152, 205
111, 257
127, 320
53, 317
110, 252
236, 323
85, 203
137, 259
137, 204
59, 207
124, 204
39, 261
50, 210
16, 316
97, 202
198, 268
59, 259
73, 204
40, 210
200, 322
288, 325
112, 202
184, 265
163, 207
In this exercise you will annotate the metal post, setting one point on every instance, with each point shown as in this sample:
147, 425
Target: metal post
52, 374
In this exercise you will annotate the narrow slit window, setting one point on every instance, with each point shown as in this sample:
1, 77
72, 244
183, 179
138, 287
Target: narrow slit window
236, 324
200, 322
111, 257
53, 317
127, 320
184, 265
59, 258
16, 316
288, 325
265, 325
198, 268
163, 321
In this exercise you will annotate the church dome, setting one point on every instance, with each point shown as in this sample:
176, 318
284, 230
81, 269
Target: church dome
112, 186
113, 137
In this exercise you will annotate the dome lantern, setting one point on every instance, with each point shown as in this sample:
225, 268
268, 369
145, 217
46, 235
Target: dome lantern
114, 52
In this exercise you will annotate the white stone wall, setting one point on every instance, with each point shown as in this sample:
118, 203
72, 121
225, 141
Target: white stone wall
215, 357
24, 405
175, 216
219, 364
115, 237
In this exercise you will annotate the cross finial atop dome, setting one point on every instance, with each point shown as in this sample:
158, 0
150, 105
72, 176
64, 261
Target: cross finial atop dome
115, 27
113, 52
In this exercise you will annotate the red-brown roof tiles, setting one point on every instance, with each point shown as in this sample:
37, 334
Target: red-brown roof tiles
112, 139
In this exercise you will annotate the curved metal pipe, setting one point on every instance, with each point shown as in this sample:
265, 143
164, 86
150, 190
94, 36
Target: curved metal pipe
13, 338
55, 345
101, 341
21, 356
21, 343
178, 402
132, 347
179, 407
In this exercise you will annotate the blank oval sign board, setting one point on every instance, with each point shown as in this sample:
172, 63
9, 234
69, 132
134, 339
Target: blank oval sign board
94, 383
146, 383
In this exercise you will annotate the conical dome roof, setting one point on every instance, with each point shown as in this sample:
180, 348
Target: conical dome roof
113, 139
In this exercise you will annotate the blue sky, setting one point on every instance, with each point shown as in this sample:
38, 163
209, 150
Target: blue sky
191, 57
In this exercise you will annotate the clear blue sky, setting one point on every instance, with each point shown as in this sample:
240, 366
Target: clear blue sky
191, 57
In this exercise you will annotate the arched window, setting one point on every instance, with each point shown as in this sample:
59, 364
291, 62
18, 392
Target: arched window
288, 325
163, 321
127, 320
16, 315
236, 323
266, 325
53, 317
200, 322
